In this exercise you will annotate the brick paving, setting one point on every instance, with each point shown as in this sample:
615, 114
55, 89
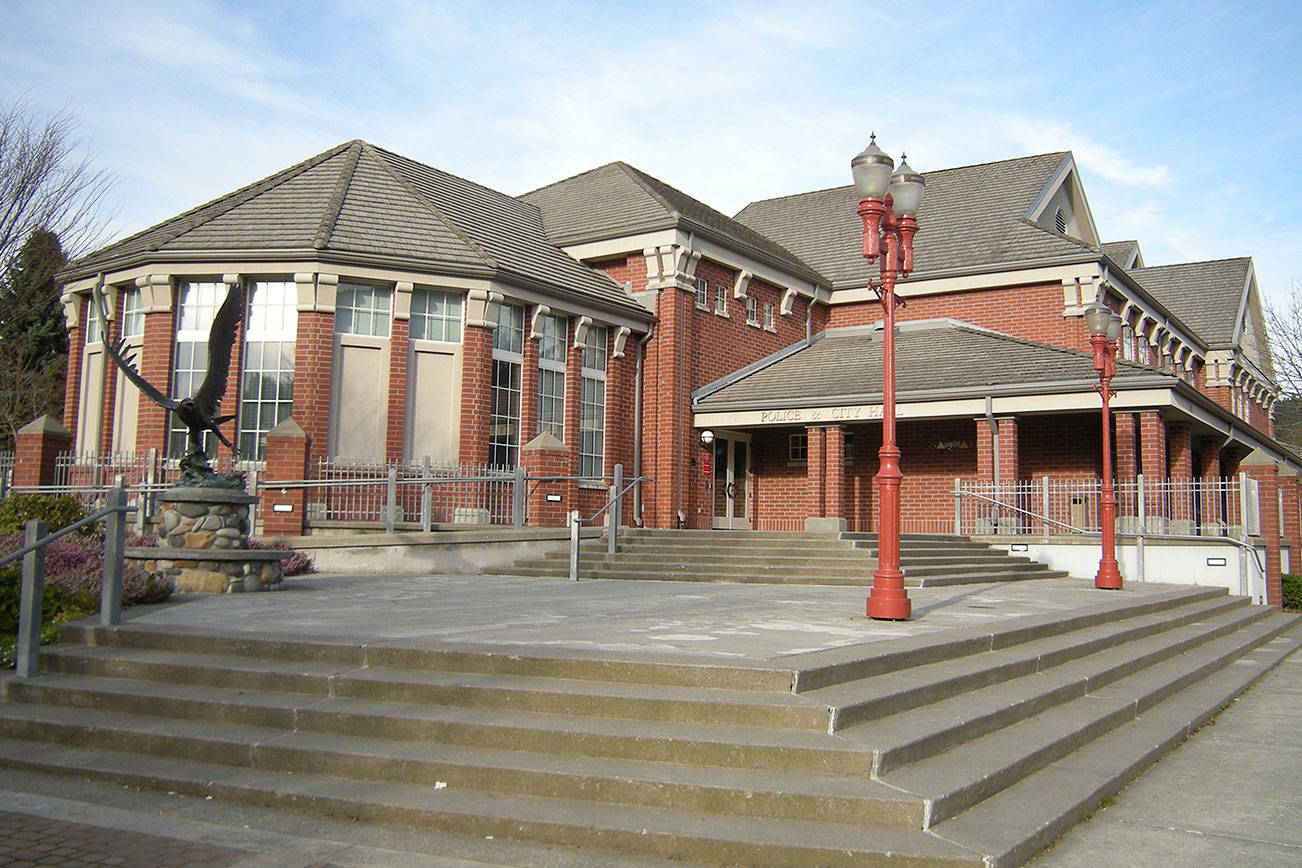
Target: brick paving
30, 840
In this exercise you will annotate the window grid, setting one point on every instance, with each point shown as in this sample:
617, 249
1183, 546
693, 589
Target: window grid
768, 316
752, 310
552, 346
592, 405
798, 448
702, 293
362, 310
720, 299
435, 316
267, 375
133, 317
504, 421
196, 309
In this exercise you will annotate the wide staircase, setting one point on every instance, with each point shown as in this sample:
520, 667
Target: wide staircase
928, 560
970, 747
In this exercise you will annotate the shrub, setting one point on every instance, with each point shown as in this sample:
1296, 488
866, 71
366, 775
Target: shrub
1292, 592
56, 511
294, 565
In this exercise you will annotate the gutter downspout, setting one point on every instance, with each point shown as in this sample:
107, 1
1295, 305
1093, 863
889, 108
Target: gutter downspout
994, 448
637, 424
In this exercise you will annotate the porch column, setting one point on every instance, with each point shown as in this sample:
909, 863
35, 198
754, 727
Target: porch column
1126, 451
834, 501
1209, 473
985, 451
1179, 448
815, 471
1264, 470
1008, 451
1152, 446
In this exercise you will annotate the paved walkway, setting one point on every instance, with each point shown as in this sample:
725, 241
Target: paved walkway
1230, 796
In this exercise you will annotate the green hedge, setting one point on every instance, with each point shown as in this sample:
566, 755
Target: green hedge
57, 511
1293, 592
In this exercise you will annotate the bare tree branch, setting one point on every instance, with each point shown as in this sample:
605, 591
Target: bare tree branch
1284, 321
45, 184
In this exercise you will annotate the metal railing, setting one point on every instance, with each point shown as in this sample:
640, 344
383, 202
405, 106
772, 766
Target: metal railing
615, 505
32, 590
1155, 507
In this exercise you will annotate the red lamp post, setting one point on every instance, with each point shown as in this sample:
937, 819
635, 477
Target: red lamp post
1105, 327
888, 203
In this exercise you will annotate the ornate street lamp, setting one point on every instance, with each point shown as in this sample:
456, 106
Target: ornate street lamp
1105, 327
888, 203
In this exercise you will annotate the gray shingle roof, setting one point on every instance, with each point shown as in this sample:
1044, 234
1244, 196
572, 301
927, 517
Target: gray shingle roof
934, 357
1204, 295
363, 201
1121, 252
617, 199
972, 219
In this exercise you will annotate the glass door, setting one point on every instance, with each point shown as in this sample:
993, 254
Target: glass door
731, 483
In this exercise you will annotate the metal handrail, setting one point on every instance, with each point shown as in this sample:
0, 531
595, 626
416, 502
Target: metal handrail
614, 503
33, 577
999, 503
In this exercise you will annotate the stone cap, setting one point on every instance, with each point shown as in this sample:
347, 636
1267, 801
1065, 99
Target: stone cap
545, 441
167, 553
195, 494
46, 424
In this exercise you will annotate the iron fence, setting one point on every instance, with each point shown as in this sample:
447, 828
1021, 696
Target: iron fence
1151, 507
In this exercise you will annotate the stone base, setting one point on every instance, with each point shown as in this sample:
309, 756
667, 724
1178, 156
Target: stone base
825, 525
214, 571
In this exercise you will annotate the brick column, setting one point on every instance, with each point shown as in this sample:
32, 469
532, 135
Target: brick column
1264, 471
476, 393
985, 451
155, 365
1126, 433
1179, 450
1152, 446
1008, 451
834, 500
815, 472
1209, 472
35, 447
74, 309
108, 406
544, 455
283, 511
395, 446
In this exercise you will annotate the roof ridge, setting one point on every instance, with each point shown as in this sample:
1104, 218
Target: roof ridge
330, 214
430, 206
1067, 351
570, 178
640, 178
1065, 237
1195, 262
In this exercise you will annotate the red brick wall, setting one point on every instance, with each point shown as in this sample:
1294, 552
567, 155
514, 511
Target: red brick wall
156, 367
313, 354
1268, 497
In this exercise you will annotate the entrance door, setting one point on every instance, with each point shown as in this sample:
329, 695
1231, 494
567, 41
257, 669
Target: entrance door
731, 488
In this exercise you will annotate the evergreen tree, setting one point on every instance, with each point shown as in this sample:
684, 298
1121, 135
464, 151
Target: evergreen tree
33, 338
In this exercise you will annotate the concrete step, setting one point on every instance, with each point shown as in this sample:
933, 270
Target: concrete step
660, 832
1017, 823
981, 767
1171, 630
550, 695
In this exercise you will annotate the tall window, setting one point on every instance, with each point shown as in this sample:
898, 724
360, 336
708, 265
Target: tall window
198, 305
94, 328
592, 405
362, 310
702, 293
267, 375
508, 352
133, 317
752, 310
551, 376
720, 299
435, 316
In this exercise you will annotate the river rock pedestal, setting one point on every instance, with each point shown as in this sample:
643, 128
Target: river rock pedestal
203, 544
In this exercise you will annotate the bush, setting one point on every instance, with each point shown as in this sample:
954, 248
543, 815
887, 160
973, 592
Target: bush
295, 565
1293, 592
56, 511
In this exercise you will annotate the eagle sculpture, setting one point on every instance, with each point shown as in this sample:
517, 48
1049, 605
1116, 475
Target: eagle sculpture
198, 412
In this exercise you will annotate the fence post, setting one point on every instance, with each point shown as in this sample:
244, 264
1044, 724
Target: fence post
518, 496
1046, 502
1141, 507
28, 652
115, 533
1244, 588
616, 511
958, 506
576, 522
391, 500
426, 496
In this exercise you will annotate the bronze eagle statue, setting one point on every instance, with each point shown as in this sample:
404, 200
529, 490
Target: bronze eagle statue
198, 412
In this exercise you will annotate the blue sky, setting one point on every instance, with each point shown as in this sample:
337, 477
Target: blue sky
1185, 117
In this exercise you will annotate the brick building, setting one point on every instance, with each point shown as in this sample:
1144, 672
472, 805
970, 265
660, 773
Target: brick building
396, 311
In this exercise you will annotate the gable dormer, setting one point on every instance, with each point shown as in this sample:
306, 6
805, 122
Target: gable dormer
1250, 335
1062, 208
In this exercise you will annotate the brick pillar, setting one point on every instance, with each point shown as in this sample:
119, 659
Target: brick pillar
1264, 471
1152, 446
313, 361
815, 472
395, 445
108, 406
155, 365
476, 393
573, 392
543, 456
1126, 435
1179, 450
1209, 471
834, 499
283, 511
529, 388
35, 446
1008, 452
1290, 521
